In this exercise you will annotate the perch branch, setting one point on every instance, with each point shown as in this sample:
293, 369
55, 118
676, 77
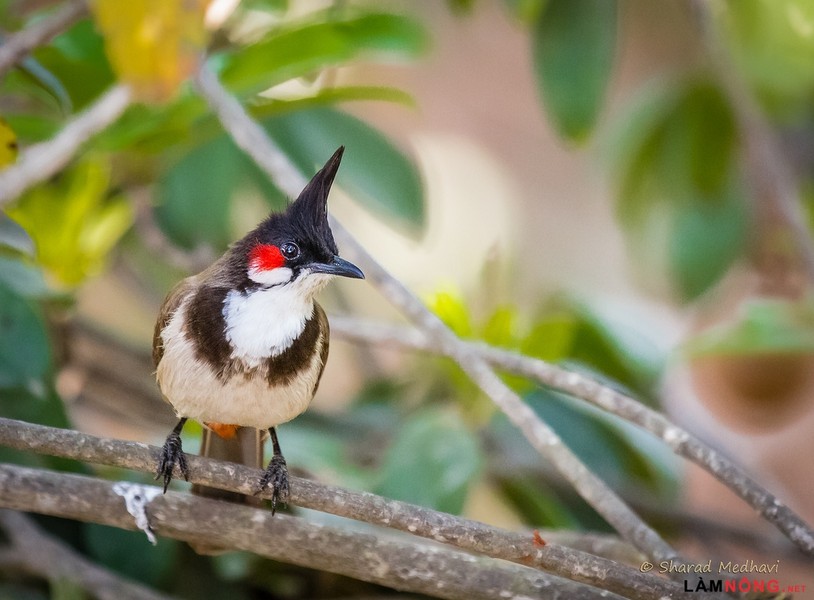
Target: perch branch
19, 44
251, 138
41, 161
34, 552
404, 565
463, 533
679, 441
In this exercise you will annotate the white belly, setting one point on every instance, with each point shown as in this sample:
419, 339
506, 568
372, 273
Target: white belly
194, 390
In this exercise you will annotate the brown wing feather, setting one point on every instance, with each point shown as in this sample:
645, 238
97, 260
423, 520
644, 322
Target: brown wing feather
168, 308
325, 327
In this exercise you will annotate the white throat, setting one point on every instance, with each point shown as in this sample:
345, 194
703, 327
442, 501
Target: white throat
265, 322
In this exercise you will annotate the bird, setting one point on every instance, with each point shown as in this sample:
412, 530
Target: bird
241, 346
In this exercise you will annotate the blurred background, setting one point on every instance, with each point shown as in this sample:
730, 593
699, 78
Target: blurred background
622, 187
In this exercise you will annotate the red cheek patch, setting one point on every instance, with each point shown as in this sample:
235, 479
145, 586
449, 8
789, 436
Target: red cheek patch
265, 257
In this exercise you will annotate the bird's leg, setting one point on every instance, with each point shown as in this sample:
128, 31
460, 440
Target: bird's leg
276, 475
172, 453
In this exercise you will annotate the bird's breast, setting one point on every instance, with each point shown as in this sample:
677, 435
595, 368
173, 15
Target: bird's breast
236, 383
264, 323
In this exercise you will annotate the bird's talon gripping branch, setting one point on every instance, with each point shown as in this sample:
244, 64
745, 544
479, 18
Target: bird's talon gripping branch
172, 454
276, 477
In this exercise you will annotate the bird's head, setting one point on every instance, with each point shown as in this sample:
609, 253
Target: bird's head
296, 247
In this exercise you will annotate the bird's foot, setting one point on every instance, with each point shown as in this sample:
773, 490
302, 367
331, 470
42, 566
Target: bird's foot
171, 454
276, 476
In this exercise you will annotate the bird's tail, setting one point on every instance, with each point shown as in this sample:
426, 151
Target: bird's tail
243, 445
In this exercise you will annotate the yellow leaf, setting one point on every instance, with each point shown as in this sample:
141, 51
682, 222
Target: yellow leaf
8, 145
154, 45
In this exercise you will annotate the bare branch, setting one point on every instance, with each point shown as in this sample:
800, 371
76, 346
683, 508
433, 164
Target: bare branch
251, 138
35, 552
680, 441
41, 161
16, 46
410, 566
463, 533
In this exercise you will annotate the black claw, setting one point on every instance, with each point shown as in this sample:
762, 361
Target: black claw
276, 476
171, 454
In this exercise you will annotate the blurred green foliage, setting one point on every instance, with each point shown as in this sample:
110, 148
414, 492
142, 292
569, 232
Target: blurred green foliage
773, 48
767, 326
74, 222
681, 197
574, 47
432, 461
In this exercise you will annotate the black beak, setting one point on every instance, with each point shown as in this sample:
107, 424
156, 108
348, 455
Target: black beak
338, 266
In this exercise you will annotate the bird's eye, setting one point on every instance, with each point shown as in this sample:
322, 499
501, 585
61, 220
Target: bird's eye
290, 250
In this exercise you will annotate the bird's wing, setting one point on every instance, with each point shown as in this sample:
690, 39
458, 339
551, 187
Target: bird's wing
168, 308
326, 329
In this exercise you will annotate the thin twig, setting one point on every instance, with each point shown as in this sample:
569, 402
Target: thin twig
17, 46
251, 138
34, 552
41, 161
441, 527
579, 386
404, 565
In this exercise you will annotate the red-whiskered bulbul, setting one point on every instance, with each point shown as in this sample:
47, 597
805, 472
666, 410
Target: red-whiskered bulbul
241, 346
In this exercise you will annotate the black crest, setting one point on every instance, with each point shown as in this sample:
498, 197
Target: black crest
309, 212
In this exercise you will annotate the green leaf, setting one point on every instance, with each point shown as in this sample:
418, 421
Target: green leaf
451, 308
432, 462
592, 438
680, 195
47, 81
194, 195
500, 328
78, 56
302, 48
153, 128
570, 330
25, 353
23, 279
706, 239
373, 171
537, 503
551, 337
574, 43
